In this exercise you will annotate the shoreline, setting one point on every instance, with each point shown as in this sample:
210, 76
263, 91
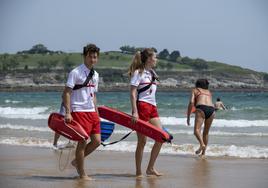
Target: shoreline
60, 88
30, 167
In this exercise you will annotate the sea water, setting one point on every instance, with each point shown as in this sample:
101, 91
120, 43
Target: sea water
241, 131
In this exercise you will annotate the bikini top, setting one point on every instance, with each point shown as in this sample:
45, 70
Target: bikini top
200, 93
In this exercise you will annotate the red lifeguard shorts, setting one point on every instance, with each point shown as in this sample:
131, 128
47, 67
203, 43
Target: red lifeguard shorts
147, 111
90, 121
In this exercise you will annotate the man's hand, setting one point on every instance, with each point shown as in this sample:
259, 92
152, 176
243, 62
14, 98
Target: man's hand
68, 118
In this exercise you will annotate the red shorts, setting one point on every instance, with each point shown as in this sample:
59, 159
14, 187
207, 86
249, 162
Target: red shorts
146, 111
90, 121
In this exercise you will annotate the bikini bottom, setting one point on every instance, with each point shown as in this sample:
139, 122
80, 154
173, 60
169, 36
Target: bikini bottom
208, 110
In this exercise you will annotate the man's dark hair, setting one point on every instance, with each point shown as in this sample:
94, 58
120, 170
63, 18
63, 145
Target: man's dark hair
218, 99
91, 48
202, 83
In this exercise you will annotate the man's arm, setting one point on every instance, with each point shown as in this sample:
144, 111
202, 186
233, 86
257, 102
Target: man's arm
67, 103
95, 103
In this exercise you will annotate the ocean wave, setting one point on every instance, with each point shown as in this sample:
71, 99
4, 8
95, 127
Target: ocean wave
42, 113
11, 101
247, 108
31, 142
23, 127
215, 133
217, 122
184, 149
189, 149
24, 113
125, 131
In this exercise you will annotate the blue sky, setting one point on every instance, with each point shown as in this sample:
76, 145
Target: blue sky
228, 31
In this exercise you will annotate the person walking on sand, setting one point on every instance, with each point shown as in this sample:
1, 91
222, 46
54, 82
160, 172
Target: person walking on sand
80, 101
143, 103
201, 99
219, 105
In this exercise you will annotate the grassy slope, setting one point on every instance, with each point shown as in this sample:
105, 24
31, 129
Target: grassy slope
117, 60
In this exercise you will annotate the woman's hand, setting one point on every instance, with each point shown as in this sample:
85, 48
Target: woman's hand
188, 121
135, 117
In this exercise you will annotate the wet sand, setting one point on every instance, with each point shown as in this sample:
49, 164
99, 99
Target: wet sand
39, 167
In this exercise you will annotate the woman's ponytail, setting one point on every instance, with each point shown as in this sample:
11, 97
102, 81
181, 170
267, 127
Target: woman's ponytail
136, 64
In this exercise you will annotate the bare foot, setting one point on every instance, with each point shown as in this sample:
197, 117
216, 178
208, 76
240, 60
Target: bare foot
138, 176
204, 150
203, 157
201, 148
153, 172
197, 152
85, 178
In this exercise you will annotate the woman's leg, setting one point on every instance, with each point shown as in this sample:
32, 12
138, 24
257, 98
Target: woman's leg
207, 126
155, 151
139, 153
199, 119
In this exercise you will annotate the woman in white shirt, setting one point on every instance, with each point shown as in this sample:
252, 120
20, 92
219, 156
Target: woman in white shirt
142, 96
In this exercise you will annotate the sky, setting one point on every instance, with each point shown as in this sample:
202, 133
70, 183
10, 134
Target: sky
228, 31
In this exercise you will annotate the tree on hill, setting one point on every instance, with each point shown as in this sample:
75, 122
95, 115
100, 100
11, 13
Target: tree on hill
133, 49
199, 64
163, 54
186, 60
68, 64
174, 55
39, 49
128, 49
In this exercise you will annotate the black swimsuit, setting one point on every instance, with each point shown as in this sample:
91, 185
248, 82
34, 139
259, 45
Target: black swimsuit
208, 110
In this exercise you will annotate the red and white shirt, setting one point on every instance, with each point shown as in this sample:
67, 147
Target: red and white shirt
82, 99
141, 80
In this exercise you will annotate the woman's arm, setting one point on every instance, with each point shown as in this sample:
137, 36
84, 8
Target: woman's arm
133, 100
190, 106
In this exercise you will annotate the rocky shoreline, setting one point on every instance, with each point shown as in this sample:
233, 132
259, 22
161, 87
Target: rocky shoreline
117, 80
114, 88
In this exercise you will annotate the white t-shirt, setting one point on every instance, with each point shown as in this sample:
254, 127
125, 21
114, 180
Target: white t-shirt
142, 80
82, 99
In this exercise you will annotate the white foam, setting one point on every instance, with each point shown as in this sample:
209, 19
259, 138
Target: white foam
24, 113
24, 127
216, 133
216, 122
246, 108
29, 141
125, 131
13, 102
189, 149
184, 149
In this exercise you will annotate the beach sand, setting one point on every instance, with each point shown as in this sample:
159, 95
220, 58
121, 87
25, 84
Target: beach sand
39, 167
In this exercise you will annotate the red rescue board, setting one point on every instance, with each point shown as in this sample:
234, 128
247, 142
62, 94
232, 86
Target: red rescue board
140, 126
73, 131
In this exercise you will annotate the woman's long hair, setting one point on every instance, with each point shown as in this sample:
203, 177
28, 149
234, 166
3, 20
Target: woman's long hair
139, 60
202, 83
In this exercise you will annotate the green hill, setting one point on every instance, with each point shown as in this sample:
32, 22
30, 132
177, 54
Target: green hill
24, 69
114, 60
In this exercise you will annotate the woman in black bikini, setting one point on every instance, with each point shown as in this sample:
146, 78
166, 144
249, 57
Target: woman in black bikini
201, 99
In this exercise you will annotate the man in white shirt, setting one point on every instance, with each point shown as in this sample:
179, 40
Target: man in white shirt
80, 105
